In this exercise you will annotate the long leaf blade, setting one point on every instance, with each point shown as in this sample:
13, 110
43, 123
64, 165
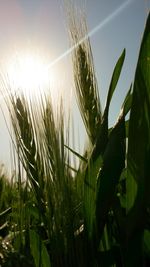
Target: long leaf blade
39, 251
139, 126
138, 196
113, 163
114, 80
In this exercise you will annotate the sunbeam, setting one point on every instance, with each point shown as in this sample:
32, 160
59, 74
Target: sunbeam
103, 23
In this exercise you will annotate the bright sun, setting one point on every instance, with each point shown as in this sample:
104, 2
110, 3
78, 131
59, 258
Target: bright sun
29, 74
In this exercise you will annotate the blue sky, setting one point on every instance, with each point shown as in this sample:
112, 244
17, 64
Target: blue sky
41, 25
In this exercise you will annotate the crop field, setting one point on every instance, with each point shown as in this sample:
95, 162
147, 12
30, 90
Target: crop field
96, 213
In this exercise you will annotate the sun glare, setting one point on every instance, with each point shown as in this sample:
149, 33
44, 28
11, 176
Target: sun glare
29, 74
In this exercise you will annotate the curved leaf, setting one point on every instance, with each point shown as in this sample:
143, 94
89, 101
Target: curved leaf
102, 133
114, 80
138, 196
113, 163
127, 102
139, 126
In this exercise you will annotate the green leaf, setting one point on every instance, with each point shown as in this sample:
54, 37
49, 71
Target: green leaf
101, 141
114, 80
76, 154
127, 102
126, 128
113, 164
90, 193
102, 133
138, 159
139, 126
131, 191
38, 250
